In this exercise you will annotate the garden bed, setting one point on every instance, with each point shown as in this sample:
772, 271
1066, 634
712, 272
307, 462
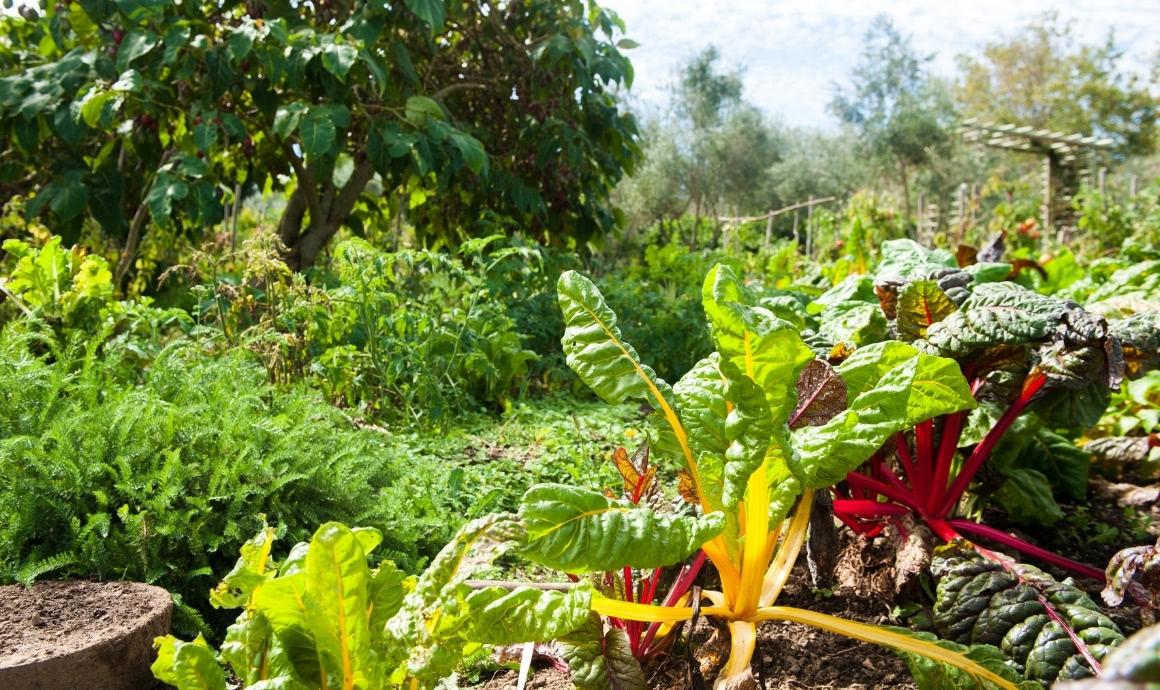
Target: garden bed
77, 634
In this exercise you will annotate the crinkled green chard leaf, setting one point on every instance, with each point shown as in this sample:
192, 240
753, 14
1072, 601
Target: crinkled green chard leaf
578, 530
996, 313
1083, 363
187, 665
1134, 665
921, 304
856, 288
765, 348
854, 323
731, 433
595, 350
890, 399
906, 260
601, 660
700, 397
929, 674
1140, 337
423, 640
850, 313
499, 616
979, 602
749, 431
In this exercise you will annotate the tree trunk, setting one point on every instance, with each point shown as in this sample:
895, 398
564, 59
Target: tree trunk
333, 205
905, 191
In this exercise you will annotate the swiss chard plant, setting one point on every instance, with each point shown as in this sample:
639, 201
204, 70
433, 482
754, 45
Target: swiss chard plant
323, 618
1035, 365
756, 428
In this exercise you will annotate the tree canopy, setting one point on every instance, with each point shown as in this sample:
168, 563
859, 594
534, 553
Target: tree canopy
138, 116
901, 112
1041, 76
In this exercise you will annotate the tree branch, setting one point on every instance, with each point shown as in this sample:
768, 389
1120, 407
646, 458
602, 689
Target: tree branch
131, 241
306, 182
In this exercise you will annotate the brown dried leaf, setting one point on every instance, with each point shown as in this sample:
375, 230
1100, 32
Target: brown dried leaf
1134, 571
966, 255
821, 395
839, 353
638, 476
887, 292
687, 487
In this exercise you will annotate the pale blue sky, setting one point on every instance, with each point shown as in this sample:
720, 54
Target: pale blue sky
793, 50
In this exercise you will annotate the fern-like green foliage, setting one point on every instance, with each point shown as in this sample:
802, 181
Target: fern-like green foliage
157, 475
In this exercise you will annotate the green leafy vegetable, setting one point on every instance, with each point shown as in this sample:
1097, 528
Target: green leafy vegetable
981, 602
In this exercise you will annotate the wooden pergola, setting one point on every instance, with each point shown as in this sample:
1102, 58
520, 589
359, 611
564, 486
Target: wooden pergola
1067, 159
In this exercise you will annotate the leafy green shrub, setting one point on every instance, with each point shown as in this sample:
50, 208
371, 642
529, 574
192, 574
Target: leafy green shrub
68, 287
412, 336
159, 482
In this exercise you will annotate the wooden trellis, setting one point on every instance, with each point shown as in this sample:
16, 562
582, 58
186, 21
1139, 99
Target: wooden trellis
1068, 160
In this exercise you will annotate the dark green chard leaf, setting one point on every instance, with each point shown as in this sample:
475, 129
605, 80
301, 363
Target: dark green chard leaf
1140, 338
996, 313
980, 602
1026, 496
1134, 665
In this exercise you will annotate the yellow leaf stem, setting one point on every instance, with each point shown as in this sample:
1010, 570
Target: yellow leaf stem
877, 635
787, 553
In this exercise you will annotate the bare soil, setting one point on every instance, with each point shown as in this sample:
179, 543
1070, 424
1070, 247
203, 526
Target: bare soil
77, 634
